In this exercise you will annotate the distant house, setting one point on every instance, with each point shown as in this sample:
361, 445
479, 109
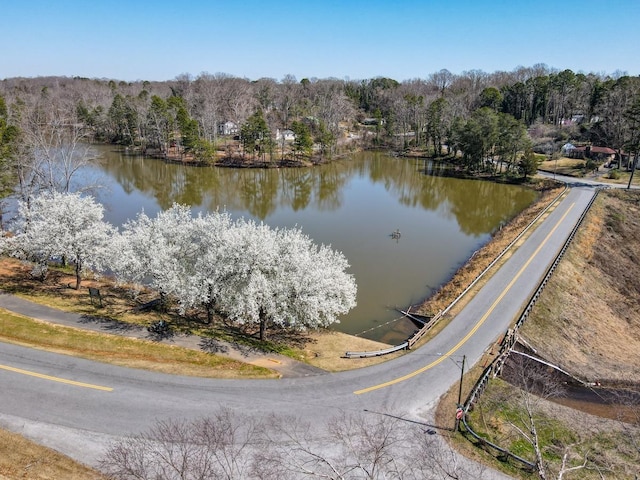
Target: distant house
603, 154
228, 128
575, 119
373, 121
286, 135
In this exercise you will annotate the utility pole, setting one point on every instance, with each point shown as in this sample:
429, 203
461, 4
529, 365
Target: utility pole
459, 411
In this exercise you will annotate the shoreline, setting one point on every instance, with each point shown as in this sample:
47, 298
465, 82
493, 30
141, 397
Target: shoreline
447, 292
325, 349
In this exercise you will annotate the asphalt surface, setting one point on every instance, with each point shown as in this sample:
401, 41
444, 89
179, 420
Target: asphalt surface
284, 366
107, 401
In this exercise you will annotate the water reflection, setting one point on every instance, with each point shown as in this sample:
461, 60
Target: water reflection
353, 204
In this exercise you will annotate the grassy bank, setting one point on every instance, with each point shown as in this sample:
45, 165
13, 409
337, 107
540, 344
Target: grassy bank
592, 300
122, 351
21, 458
548, 190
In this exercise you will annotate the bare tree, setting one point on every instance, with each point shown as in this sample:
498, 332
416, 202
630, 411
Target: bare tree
207, 105
349, 446
53, 147
535, 384
209, 448
441, 80
363, 445
330, 106
240, 101
524, 418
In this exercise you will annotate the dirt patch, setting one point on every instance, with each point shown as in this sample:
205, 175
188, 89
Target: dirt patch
327, 350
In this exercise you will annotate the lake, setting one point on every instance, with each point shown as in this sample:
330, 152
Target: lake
353, 204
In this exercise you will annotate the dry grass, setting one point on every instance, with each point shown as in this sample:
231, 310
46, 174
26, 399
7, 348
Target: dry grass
119, 302
591, 303
23, 459
326, 350
121, 350
564, 166
323, 349
587, 320
483, 257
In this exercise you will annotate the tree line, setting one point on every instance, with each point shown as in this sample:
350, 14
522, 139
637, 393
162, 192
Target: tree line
473, 113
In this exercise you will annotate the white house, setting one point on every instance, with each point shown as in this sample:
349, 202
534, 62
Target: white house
228, 128
286, 135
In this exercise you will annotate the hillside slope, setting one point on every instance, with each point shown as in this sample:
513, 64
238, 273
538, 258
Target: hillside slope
588, 319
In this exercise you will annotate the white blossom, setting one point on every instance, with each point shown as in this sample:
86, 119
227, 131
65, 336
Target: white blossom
62, 226
250, 272
280, 276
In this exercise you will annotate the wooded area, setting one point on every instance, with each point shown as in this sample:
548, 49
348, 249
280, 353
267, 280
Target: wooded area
474, 117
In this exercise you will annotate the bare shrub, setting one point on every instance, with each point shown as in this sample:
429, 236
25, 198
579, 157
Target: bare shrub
208, 448
349, 446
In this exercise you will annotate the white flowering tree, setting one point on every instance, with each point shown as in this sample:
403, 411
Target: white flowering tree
174, 254
56, 226
281, 277
212, 266
153, 251
250, 272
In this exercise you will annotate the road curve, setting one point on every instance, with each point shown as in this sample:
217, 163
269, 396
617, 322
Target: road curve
77, 406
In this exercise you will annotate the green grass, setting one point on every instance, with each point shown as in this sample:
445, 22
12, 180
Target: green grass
120, 306
497, 410
122, 350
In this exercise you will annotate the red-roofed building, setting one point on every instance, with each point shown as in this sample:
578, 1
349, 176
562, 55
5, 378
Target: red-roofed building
604, 154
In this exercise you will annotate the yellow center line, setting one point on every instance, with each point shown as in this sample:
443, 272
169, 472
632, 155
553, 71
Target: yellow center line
55, 379
475, 328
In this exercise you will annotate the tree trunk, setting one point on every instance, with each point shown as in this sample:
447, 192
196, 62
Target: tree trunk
210, 305
633, 170
263, 325
78, 274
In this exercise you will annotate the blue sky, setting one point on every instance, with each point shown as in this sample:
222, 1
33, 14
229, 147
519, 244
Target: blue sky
402, 39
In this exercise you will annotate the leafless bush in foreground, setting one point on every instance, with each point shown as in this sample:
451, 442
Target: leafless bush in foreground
349, 446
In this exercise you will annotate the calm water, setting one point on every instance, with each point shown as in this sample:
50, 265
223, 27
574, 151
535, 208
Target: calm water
353, 204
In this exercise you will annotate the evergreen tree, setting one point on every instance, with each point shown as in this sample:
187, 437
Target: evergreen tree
303, 143
256, 136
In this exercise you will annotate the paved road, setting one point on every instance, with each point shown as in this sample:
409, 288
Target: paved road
108, 401
284, 366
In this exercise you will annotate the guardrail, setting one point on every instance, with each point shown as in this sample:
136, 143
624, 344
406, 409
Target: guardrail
417, 335
377, 353
413, 339
509, 340
406, 345
504, 251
